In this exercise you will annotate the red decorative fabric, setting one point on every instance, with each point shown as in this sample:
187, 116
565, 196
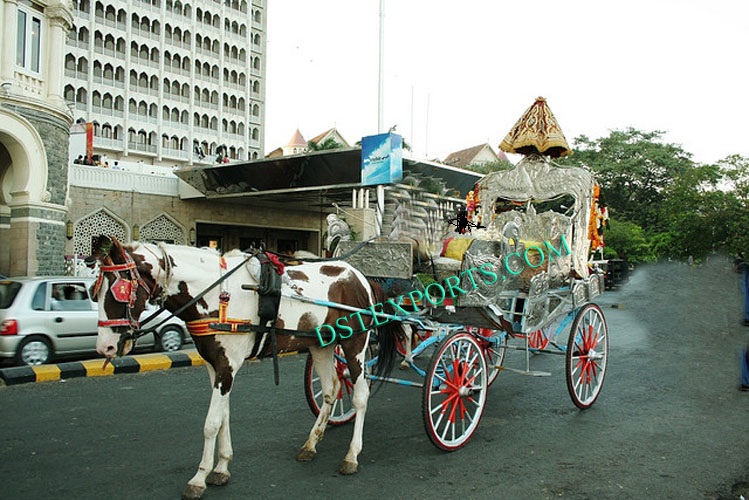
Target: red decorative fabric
277, 264
121, 290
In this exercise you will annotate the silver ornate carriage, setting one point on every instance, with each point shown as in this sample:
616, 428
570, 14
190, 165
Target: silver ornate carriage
537, 240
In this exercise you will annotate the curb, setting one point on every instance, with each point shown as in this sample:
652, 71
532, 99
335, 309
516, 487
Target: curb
93, 367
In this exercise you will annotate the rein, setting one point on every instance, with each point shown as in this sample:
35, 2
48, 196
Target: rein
351, 252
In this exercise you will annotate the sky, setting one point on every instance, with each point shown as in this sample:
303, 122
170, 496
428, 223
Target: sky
460, 73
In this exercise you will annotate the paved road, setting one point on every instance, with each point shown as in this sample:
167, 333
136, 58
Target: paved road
669, 423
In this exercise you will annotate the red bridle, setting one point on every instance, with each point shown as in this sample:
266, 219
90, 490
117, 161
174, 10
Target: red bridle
123, 290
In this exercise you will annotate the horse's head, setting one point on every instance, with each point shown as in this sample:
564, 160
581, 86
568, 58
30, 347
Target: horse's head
121, 294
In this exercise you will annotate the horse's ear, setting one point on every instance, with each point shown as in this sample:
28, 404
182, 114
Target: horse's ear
101, 246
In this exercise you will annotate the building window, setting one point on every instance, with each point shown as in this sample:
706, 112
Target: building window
28, 41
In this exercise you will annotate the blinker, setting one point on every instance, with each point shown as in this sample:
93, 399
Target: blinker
121, 290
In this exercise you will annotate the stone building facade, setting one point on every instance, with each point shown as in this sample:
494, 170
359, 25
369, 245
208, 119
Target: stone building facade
34, 130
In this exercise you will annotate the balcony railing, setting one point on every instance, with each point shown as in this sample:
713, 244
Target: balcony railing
175, 153
152, 180
137, 146
109, 143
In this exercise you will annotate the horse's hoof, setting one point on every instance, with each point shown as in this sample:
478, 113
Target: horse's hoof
193, 492
348, 468
305, 455
218, 478
404, 365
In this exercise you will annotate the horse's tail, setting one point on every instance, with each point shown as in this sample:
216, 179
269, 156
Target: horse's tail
385, 335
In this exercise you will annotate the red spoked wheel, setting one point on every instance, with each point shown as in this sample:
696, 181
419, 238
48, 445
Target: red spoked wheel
455, 391
343, 409
587, 356
538, 339
494, 344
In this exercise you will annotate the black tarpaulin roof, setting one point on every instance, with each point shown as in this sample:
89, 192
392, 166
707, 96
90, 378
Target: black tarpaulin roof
314, 171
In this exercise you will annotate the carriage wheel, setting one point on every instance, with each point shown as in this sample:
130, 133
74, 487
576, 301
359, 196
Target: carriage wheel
494, 353
587, 355
455, 390
538, 340
343, 409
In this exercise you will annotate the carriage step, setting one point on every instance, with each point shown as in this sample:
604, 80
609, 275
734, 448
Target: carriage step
532, 373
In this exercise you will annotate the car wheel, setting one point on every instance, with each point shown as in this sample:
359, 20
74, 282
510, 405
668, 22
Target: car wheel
34, 351
169, 339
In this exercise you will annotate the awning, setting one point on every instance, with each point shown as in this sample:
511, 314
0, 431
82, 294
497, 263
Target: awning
318, 171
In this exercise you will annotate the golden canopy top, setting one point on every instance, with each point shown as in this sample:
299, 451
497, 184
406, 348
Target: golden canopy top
537, 131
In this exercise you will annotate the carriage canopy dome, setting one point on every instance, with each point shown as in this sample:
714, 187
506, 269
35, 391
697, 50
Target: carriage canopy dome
537, 131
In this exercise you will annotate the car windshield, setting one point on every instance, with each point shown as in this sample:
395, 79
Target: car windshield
8, 291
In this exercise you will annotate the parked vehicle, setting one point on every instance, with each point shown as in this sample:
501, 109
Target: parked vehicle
46, 317
616, 272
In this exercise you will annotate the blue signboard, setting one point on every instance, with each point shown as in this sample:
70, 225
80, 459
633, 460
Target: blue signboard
382, 159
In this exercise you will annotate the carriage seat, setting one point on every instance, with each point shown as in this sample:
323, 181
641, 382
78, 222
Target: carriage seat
450, 259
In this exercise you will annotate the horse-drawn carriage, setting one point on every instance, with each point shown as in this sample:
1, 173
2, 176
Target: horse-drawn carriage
522, 282
519, 281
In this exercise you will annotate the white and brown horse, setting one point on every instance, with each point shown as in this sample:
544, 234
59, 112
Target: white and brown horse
176, 275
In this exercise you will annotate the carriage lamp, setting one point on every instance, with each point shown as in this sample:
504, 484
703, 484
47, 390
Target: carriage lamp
69, 229
136, 232
192, 236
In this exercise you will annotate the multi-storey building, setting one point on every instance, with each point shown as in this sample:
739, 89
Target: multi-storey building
169, 81
163, 83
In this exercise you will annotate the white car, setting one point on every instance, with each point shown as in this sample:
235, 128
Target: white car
46, 317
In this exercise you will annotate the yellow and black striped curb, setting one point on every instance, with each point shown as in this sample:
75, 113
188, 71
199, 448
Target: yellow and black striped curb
93, 367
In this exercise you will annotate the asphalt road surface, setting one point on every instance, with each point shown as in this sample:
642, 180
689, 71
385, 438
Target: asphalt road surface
670, 422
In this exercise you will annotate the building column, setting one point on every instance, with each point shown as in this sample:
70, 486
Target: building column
60, 21
8, 55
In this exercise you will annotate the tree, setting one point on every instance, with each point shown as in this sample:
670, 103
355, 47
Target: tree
627, 240
735, 170
328, 143
692, 212
633, 168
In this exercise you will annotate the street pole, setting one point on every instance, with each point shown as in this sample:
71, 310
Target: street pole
380, 81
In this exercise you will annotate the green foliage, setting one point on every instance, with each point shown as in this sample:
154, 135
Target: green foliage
629, 242
669, 205
735, 170
328, 143
425, 279
633, 169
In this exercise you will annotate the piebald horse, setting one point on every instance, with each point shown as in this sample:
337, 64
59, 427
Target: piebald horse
175, 275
